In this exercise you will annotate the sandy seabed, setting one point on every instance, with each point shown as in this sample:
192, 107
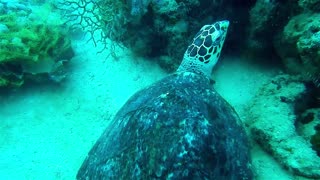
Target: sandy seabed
47, 130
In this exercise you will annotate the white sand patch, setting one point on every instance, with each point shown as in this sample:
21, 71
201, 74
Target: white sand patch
238, 80
46, 131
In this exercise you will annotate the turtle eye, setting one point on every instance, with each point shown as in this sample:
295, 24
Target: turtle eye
223, 28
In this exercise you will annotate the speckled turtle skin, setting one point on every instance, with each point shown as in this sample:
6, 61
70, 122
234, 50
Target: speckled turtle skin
177, 128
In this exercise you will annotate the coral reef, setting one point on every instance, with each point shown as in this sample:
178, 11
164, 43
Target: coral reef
33, 44
299, 45
312, 5
273, 123
272, 32
260, 16
288, 34
267, 19
138, 24
307, 110
315, 140
172, 23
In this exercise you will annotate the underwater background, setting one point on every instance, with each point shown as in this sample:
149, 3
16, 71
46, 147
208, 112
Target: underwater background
66, 68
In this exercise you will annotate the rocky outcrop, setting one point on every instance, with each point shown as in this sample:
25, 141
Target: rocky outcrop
299, 45
274, 123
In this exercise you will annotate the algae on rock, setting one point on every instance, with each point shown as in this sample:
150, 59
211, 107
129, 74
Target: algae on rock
32, 43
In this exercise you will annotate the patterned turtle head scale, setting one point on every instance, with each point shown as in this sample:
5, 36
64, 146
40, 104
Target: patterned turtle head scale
204, 51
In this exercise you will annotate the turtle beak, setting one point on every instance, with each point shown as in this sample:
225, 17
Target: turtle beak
224, 25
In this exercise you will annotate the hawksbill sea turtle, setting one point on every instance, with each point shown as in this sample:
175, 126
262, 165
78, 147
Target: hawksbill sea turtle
177, 128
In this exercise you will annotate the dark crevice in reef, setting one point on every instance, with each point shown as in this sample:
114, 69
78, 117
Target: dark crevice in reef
310, 100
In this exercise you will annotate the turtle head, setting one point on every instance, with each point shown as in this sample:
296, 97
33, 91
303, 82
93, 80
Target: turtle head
204, 51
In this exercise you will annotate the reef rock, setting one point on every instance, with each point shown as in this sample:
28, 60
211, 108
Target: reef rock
273, 123
313, 5
299, 45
